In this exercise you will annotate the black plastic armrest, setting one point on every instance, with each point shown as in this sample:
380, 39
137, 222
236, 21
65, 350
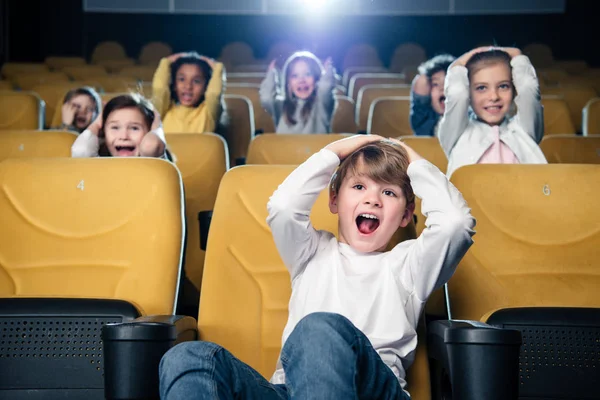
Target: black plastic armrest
204, 218
133, 350
240, 161
480, 360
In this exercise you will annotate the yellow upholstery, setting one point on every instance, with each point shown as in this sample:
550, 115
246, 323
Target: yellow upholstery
369, 93
108, 51
361, 55
540, 54
139, 72
23, 143
106, 97
537, 238
202, 160
576, 98
430, 149
405, 55
93, 228
574, 67
246, 287
21, 110
262, 119
342, 120
287, 149
58, 63
115, 66
27, 80
6, 85
351, 71
10, 69
152, 53
109, 83
240, 125
591, 118
551, 76
390, 116
362, 79
85, 71
53, 95
557, 119
570, 149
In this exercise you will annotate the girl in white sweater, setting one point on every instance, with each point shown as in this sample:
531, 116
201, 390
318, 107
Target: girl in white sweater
304, 103
479, 125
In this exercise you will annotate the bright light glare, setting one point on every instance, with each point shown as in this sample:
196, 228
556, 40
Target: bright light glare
315, 4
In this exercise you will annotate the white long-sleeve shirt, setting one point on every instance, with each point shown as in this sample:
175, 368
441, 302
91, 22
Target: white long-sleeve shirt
382, 293
87, 144
465, 139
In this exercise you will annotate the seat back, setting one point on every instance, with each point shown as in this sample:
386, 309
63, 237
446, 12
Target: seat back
11, 69
369, 93
557, 119
139, 72
351, 71
288, 149
342, 120
53, 95
570, 149
202, 159
576, 97
108, 51
537, 238
92, 228
152, 52
390, 116
239, 129
246, 287
21, 110
591, 118
81, 72
536, 248
27, 80
23, 143
252, 78
361, 79
262, 119
58, 63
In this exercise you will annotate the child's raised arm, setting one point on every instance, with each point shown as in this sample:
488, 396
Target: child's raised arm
530, 113
456, 88
422, 117
87, 143
432, 258
268, 89
213, 94
289, 207
161, 93
325, 87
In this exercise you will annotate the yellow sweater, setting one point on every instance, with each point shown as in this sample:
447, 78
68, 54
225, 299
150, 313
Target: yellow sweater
181, 119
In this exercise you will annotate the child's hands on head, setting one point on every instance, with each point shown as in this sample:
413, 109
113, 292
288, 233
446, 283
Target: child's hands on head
462, 60
174, 57
344, 147
96, 126
151, 146
68, 113
412, 155
211, 62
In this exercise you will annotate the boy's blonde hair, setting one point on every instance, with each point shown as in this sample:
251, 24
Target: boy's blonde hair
383, 161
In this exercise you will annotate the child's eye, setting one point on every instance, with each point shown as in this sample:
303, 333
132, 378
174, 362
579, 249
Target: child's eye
358, 187
197, 81
505, 86
435, 84
389, 193
480, 88
135, 128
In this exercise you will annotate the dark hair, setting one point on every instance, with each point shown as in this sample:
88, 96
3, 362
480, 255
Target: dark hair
85, 91
132, 100
436, 64
485, 58
194, 59
290, 102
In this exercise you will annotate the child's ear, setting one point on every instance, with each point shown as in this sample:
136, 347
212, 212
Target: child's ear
333, 202
408, 215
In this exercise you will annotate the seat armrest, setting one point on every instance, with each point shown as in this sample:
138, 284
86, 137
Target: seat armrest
133, 350
481, 361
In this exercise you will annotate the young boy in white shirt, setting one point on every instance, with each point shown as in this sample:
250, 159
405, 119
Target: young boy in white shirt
354, 309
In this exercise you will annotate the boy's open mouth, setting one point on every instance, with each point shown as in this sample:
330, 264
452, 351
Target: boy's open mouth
125, 150
367, 223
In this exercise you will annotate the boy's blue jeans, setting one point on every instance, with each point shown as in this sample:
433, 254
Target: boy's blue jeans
326, 357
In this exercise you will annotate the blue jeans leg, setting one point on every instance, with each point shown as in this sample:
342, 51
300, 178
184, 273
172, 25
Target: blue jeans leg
206, 371
326, 357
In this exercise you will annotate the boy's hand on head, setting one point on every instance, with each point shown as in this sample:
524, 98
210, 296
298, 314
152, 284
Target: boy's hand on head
421, 86
412, 155
68, 113
174, 57
344, 147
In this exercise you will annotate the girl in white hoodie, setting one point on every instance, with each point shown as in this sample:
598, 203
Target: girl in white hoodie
479, 125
